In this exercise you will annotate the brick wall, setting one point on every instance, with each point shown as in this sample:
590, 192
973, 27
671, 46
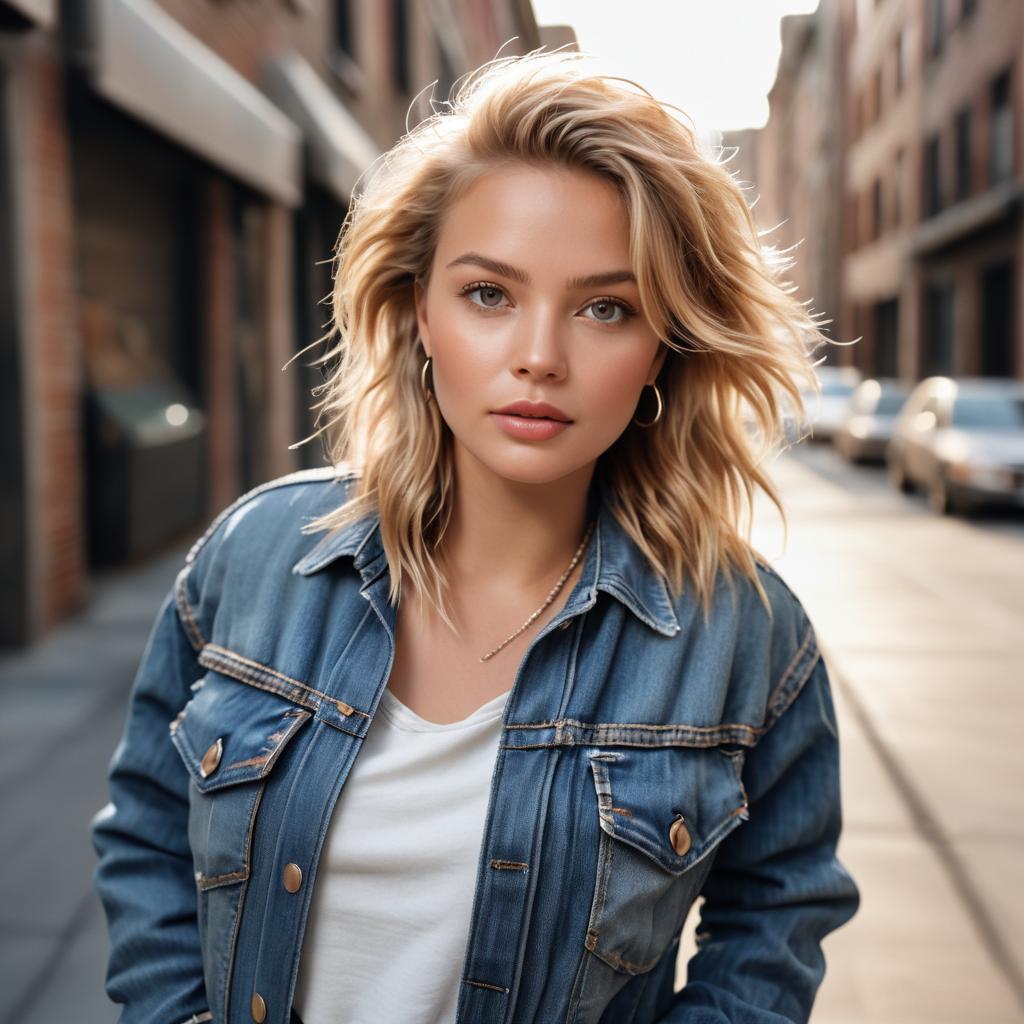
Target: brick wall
54, 373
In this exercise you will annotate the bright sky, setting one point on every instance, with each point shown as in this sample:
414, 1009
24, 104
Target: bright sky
715, 59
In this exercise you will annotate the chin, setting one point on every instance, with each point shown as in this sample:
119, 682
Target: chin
537, 478
534, 466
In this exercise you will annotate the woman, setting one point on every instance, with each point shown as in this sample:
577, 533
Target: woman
474, 753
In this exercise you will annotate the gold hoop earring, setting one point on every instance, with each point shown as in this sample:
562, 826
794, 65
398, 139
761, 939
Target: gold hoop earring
423, 381
661, 406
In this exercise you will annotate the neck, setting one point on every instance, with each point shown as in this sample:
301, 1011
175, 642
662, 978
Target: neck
520, 536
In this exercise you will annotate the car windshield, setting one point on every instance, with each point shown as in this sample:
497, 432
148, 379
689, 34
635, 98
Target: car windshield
992, 411
836, 390
869, 402
890, 403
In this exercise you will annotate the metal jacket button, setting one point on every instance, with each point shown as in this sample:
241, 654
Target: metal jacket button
292, 877
258, 1008
211, 758
680, 836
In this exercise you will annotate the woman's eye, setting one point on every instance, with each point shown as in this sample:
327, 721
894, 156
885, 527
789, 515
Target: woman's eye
490, 297
607, 311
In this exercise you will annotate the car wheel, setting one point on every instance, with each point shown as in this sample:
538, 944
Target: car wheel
898, 475
939, 497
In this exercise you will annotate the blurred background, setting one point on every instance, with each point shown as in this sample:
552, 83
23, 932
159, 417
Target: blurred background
173, 176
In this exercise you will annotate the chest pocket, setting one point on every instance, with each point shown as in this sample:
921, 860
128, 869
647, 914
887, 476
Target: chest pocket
230, 736
662, 813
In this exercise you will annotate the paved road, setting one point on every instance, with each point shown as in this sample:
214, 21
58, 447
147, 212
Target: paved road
919, 618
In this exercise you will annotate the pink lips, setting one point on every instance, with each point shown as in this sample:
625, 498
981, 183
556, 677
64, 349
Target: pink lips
536, 410
531, 421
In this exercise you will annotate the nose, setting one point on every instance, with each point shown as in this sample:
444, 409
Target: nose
539, 350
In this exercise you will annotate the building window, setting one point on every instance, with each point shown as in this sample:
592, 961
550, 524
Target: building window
905, 54
900, 69
876, 96
400, 44
876, 208
851, 222
897, 190
962, 127
932, 169
936, 26
967, 8
344, 28
1001, 139
445, 72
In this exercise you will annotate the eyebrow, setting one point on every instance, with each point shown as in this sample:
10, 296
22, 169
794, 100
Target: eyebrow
506, 270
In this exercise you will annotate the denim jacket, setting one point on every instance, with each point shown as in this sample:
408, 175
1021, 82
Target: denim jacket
646, 758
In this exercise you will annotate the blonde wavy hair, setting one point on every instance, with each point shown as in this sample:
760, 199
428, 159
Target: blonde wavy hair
741, 343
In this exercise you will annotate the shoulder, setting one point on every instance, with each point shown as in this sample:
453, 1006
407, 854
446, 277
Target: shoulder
268, 504
775, 644
793, 639
258, 537
787, 611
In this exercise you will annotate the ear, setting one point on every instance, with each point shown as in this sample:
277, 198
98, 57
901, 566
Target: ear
658, 363
420, 298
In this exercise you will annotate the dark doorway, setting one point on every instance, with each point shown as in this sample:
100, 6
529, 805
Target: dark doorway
135, 231
938, 344
887, 338
997, 320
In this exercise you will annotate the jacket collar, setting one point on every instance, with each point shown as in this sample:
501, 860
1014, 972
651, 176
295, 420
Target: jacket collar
613, 564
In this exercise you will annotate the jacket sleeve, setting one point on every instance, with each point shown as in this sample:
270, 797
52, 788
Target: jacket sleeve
144, 875
776, 887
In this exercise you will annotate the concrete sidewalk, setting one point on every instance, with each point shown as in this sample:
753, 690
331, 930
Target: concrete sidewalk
64, 705
919, 617
929, 701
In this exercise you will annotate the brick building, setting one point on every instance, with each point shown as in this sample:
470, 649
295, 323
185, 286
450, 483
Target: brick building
795, 161
930, 143
173, 176
935, 257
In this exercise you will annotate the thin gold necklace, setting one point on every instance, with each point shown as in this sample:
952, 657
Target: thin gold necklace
551, 596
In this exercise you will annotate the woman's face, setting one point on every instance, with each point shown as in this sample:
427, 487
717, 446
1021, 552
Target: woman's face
531, 298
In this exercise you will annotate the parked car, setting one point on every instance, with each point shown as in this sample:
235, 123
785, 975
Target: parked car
823, 413
867, 427
963, 441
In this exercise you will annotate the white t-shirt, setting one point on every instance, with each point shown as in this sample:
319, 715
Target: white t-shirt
389, 921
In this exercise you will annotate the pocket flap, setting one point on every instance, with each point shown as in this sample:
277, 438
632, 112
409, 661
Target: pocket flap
230, 733
645, 792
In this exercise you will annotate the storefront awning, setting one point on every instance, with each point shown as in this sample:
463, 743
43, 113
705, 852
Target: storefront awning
41, 12
139, 58
339, 147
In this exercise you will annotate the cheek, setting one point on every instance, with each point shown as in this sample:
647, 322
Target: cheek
616, 384
462, 363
